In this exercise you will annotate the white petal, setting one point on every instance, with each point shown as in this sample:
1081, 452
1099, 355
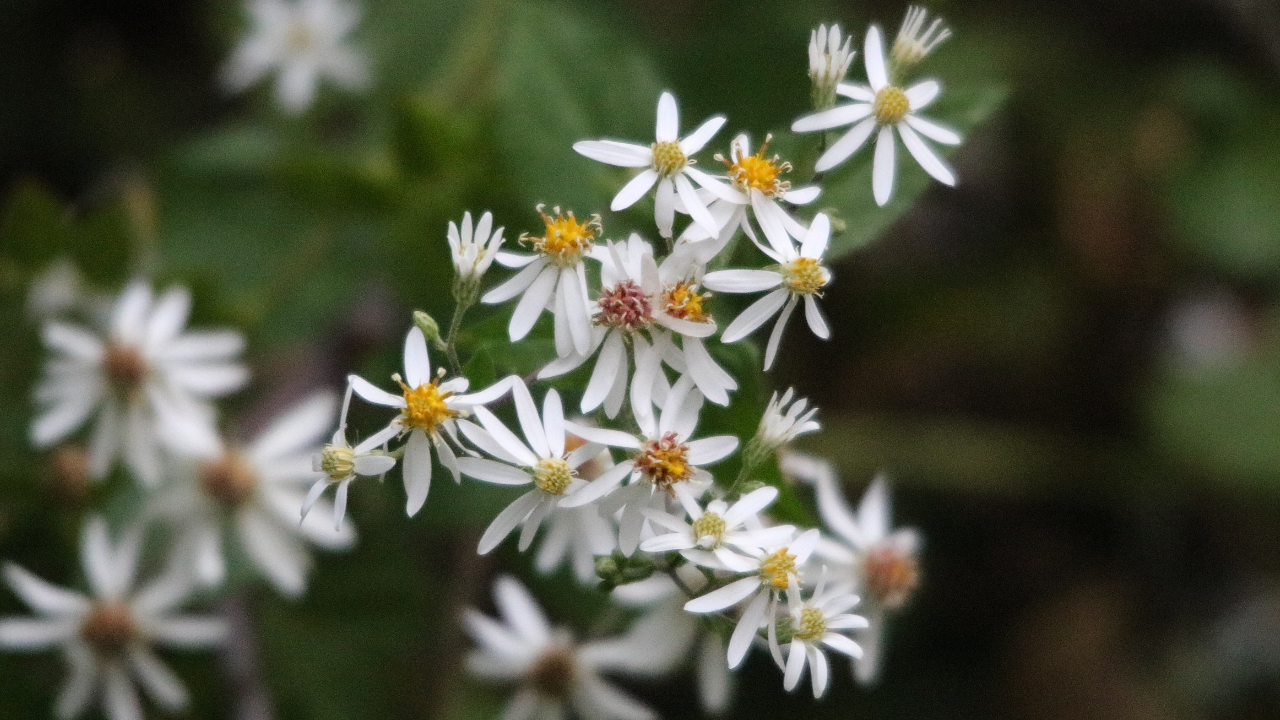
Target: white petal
573, 280
281, 557
119, 700
933, 131
160, 683
745, 632
507, 520
750, 504
819, 671
598, 488
520, 610
36, 634
696, 208
71, 340
417, 471
65, 417
664, 209
835, 117
716, 186
634, 190
928, 160
711, 379
853, 91
755, 315
874, 511
668, 124
795, 665
922, 93
615, 153
417, 363
41, 596
803, 195
605, 372
188, 632
712, 449
603, 436
299, 428
77, 692
873, 56
698, 139
518, 283
167, 318
882, 172
842, 644
494, 472
373, 393
813, 314
507, 439
741, 281
727, 596
553, 422
815, 240
775, 337
533, 303
846, 145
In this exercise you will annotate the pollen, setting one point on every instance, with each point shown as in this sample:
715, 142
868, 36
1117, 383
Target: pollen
229, 480
625, 305
709, 530
683, 301
426, 408
553, 476
805, 276
668, 158
891, 105
891, 576
109, 628
565, 239
337, 462
777, 568
813, 625
125, 367
665, 462
759, 172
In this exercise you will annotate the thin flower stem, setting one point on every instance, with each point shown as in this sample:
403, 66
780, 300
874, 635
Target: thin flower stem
451, 340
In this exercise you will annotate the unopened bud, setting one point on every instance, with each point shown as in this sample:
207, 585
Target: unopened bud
428, 325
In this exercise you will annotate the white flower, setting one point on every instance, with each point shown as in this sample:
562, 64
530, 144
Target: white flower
428, 405
556, 675
473, 250
769, 572
549, 466
797, 275
665, 463
253, 493
107, 637
56, 291
784, 421
706, 541
645, 306
882, 563
147, 381
667, 163
887, 107
914, 42
340, 464
814, 624
578, 535
305, 40
828, 63
553, 278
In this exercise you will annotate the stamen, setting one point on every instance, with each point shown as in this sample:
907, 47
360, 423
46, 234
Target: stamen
665, 461
553, 476
805, 276
813, 624
758, 172
891, 105
625, 305
668, 158
777, 568
683, 301
426, 408
565, 239
337, 462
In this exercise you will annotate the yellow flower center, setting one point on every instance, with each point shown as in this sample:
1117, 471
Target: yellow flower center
804, 275
565, 239
709, 530
425, 407
777, 568
337, 462
300, 38
664, 462
229, 480
552, 674
891, 105
683, 301
668, 158
109, 628
759, 172
813, 625
891, 576
553, 476
125, 367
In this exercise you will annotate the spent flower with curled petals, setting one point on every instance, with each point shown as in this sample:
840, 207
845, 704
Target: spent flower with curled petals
473, 250
829, 60
108, 636
812, 626
784, 420
340, 464
915, 41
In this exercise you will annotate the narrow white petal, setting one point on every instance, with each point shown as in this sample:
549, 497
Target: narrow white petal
755, 315
741, 281
922, 93
706, 451
494, 472
883, 169
727, 596
668, 124
745, 632
634, 190
928, 160
846, 145
815, 240
933, 131
615, 153
813, 314
873, 56
373, 393
520, 610
835, 117
664, 209
417, 471
775, 337
533, 303
518, 283
417, 363
507, 520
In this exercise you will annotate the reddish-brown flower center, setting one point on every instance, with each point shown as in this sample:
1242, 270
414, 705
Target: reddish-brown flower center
229, 480
625, 305
891, 576
552, 674
665, 461
109, 628
125, 366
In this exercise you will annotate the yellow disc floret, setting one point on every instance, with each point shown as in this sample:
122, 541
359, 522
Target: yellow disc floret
553, 476
758, 172
813, 625
804, 275
777, 568
565, 239
665, 461
668, 158
891, 105
425, 406
337, 462
709, 530
683, 301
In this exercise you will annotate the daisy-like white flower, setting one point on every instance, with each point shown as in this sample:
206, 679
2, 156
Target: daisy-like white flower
428, 407
785, 419
107, 637
552, 278
665, 462
578, 535
147, 381
768, 572
545, 462
668, 164
814, 625
797, 275
645, 306
883, 108
253, 493
829, 60
707, 540
305, 41
556, 675
882, 563
340, 463
915, 41
473, 249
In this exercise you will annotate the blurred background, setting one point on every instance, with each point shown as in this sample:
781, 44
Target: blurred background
1069, 364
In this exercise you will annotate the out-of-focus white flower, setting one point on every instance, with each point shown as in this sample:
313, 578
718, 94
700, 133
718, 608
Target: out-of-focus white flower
107, 636
474, 249
768, 573
880, 563
797, 275
253, 493
707, 540
556, 675
552, 278
545, 462
667, 163
340, 464
829, 60
56, 291
914, 41
784, 421
146, 379
305, 41
890, 108
665, 463
578, 535
814, 624
428, 407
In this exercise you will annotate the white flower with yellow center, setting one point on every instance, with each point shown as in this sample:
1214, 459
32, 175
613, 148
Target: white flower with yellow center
305, 41
577, 535
554, 278
646, 306
797, 275
546, 462
147, 381
768, 572
664, 464
814, 625
340, 464
883, 109
667, 164
473, 249
108, 636
428, 406
784, 420
553, 674
829, 60
708, 537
